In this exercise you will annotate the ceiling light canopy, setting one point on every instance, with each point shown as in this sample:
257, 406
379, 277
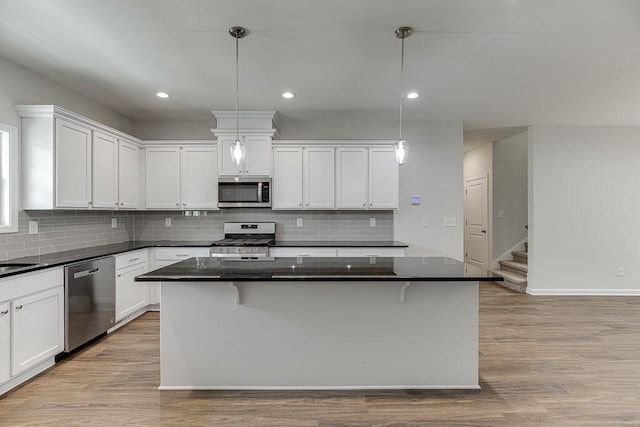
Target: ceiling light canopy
163, 95
238, 147
412, 95
401, 147
288, 95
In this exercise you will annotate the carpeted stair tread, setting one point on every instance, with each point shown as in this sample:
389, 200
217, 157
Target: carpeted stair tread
520, 254
513, 265
512, 277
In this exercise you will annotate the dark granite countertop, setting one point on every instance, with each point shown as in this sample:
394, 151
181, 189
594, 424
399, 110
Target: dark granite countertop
69, 257
339, 244
315, 269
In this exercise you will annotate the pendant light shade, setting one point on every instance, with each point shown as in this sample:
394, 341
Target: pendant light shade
238, 148
401, 146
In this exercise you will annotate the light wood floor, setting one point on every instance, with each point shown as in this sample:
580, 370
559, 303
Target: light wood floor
544, 361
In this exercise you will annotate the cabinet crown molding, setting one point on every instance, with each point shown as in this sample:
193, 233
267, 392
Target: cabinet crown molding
53, 111
331, 142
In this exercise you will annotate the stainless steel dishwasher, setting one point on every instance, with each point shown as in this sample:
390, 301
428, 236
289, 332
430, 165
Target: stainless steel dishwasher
90, 300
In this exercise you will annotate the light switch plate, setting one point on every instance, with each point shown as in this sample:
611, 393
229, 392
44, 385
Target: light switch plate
298, 222
33, 227
500, 214
114, 222
450, 222
620, 272
167, 222
425, 221
372, 222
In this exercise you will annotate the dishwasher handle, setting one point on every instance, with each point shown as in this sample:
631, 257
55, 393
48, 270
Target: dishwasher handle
85, 273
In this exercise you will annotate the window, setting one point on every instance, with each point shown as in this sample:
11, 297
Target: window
8, 179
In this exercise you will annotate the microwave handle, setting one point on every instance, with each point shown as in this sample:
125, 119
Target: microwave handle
259, 191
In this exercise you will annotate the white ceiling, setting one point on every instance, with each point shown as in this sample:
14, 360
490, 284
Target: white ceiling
492, 64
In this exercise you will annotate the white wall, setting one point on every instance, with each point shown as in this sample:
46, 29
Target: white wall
433, 172
174, 129
509, 193
21, 86
584, 210
478, 163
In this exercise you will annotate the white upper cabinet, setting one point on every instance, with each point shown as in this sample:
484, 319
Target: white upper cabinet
287, 178
181, 177
162, 177
71, 162
257, 161
352, 178
199, 178
73, 165
318, 177
256, 130
104, 170
128, 159
383, 178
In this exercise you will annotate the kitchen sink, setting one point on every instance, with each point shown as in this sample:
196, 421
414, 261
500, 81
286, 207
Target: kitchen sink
5, 267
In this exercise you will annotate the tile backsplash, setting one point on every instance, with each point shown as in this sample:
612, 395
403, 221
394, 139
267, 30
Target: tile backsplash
316, 225
66, 230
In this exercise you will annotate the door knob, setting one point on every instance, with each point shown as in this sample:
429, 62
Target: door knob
483, 231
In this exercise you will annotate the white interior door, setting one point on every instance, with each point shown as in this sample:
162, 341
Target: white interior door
476, 243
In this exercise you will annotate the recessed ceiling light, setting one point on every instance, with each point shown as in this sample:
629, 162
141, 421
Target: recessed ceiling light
162, 95
412, 95
288, 95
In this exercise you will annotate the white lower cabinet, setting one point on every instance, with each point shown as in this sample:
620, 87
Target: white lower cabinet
131, 296
36, 328
5, 342
31, 324
336, 252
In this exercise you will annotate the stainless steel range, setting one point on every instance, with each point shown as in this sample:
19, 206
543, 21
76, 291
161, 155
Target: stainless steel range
245, 240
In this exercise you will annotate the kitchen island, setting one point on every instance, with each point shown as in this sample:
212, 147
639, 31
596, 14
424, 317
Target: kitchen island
318, 323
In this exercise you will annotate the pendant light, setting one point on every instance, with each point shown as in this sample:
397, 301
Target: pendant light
237, 147
401, 147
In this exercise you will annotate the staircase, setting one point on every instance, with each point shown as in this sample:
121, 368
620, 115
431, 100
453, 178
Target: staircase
514, 272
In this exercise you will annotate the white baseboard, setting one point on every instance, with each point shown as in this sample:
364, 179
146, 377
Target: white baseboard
585, 292
322, 388
495, 264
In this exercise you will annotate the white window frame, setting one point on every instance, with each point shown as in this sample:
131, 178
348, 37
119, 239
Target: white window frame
9, 161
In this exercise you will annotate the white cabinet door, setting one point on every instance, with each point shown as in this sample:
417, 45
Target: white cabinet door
258, 160
199, 177
162, 177
351, 178
73, 165
5, 342
318, 177
383, 178
287, 178
37, 328
131, 296
225, 166
104, 167
128, 175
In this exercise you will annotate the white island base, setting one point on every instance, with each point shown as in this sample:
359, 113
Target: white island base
333, 335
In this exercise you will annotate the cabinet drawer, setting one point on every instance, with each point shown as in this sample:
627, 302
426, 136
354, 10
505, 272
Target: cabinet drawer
368, 252
178, 254
296, 252
132, 258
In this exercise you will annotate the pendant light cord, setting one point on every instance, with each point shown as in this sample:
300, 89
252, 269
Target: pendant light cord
238, 94
401, 85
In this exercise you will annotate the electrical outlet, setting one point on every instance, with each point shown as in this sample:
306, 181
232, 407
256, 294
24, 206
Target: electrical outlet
500, 214
114, 222
298, 222
372, 222
33, 227
167, 222
425, 221
620, 272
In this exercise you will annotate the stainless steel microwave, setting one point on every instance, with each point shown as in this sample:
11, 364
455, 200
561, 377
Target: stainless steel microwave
244, 192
